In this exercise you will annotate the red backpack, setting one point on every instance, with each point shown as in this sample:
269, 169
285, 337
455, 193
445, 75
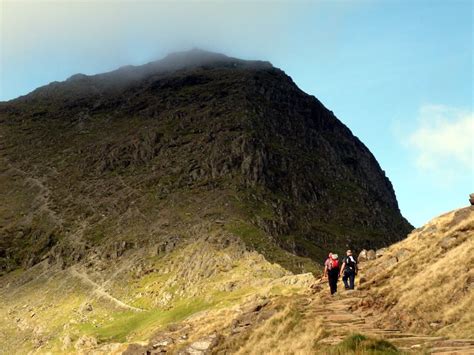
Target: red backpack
333, 263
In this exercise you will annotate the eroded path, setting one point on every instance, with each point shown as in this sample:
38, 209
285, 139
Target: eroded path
342, 318
99, 291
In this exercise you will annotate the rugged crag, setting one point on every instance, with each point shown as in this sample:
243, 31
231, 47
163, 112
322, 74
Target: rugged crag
104, 163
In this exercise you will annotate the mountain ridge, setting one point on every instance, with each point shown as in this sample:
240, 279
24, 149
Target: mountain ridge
294, 174
128, 74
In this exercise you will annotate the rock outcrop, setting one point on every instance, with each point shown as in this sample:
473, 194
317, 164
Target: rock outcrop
125, 157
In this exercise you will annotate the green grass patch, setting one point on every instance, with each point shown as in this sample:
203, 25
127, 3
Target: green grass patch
138, 325
129, 325
362, 345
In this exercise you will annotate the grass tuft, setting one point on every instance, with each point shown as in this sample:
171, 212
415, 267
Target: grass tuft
361, 345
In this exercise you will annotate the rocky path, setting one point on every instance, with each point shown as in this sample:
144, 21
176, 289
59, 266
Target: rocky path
42, 201
99, 291
341, 320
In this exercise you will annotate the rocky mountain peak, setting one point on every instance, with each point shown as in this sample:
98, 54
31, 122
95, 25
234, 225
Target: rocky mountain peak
201, 128
116, 81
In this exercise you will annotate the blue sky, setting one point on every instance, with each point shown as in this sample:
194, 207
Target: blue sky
399, 74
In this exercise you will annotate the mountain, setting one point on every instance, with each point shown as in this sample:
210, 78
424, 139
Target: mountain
197, 136
135, 199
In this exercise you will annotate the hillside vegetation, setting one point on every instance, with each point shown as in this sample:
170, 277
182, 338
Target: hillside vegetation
136, 295
183, 205
209, 292
425, 283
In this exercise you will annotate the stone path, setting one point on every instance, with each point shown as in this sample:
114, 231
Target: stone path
99, 291
342, 320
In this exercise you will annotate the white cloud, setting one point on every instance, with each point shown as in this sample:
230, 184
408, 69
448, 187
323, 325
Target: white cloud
443, 142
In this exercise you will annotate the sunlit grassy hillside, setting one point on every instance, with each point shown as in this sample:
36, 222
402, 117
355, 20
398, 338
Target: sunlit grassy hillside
134, 296
425, 283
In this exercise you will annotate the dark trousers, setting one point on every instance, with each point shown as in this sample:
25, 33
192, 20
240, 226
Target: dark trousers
333, 275
349, 275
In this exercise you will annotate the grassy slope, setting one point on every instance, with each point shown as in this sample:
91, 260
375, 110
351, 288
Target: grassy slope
430, 288
203, 284
198, 276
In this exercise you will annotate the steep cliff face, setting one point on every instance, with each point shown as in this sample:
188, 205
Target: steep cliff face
140, 155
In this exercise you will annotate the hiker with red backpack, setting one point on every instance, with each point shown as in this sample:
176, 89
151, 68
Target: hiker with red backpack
331, 271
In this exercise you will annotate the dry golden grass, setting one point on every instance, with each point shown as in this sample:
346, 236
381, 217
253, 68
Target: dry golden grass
425, 283
287, 332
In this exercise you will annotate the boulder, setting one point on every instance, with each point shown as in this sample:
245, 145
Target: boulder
471, 199
202, 346
447, 242
362, 256
256, 306
66, 342
380, 252
162, 343
86, 308
134, 349
371, 254
85, 342
402, 254
388, 263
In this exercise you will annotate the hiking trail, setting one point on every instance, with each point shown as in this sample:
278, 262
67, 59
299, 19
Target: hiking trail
99, 291
342, 318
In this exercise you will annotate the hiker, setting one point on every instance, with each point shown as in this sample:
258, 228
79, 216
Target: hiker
349, 270
331, 270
